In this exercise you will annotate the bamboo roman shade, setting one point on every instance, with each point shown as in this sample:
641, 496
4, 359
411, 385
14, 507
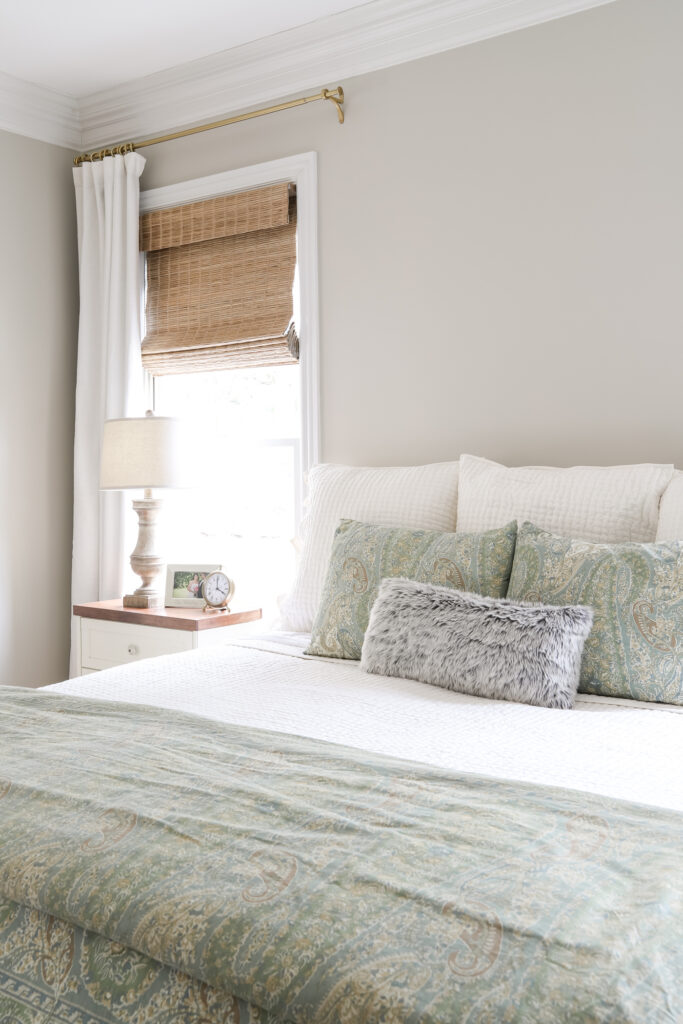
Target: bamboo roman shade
219, 283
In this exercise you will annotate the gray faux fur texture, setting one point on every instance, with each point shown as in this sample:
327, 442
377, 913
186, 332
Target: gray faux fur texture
484, 646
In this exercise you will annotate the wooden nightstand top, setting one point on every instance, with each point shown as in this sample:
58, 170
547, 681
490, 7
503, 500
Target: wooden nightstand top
192, 619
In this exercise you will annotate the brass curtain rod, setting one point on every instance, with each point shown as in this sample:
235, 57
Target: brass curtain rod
336, 96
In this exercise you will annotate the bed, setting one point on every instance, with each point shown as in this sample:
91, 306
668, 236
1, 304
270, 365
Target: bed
253, 834
533, 915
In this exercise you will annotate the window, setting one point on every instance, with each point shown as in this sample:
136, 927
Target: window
257, 424
247, 511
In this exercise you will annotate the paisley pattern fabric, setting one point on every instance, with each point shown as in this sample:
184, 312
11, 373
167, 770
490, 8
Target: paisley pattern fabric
314, 883
635, 648
55, 972
363, 555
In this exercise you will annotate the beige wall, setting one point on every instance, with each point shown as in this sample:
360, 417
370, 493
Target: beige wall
501, 258
501, 244
38, 319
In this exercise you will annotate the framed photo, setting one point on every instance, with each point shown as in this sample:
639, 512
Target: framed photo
185, 584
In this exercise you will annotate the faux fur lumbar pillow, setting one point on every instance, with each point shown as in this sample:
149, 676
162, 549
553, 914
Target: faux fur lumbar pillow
487, 647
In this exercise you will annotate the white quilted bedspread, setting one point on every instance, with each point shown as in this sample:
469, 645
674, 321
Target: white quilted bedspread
622, 749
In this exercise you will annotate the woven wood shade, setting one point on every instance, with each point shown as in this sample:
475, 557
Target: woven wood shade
219, 283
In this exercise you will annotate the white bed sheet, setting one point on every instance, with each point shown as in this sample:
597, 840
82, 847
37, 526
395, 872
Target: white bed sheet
622, 749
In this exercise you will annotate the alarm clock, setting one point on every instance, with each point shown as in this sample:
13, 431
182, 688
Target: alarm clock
218, 590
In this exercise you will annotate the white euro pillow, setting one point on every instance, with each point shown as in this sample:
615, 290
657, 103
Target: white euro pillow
420, 497
671, 510
601, 504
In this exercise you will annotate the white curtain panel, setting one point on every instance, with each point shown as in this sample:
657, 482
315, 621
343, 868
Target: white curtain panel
109, 381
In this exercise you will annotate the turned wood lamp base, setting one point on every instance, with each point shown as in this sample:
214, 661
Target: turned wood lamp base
144, 562
140, 600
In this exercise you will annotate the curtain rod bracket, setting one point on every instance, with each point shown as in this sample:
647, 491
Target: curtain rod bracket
336, 96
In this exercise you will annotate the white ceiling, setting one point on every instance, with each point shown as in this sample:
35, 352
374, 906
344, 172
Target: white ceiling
80, 47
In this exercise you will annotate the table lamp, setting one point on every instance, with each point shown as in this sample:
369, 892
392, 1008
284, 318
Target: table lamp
143, 453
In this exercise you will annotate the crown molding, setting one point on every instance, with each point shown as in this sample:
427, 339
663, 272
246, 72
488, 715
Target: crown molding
28, 109
376, 35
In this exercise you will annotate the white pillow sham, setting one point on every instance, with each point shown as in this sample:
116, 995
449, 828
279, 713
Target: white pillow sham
610, 504
419, 497
671, 510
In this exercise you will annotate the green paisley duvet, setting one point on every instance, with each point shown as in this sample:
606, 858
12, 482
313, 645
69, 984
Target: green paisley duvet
163, 868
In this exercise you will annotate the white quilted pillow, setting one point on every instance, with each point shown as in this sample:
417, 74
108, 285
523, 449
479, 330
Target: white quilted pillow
671, 510
422, 497
610, 504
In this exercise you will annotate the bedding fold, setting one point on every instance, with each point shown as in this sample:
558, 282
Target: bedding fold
56, 973
324, 884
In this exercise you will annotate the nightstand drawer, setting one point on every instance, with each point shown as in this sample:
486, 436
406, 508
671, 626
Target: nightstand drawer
110, 634
105, 644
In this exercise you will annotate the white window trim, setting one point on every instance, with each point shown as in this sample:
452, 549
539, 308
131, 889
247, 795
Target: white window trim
302, 169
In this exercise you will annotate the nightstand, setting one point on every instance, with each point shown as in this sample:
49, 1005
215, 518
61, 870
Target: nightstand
109, 634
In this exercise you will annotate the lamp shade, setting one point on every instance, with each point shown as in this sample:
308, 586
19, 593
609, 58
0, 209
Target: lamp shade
146, 451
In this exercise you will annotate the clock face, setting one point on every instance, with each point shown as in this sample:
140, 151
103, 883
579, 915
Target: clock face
218, 589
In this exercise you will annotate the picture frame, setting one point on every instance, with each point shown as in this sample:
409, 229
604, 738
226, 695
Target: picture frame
187, 577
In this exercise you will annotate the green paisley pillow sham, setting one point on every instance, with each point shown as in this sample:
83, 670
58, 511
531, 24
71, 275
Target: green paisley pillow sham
636, 590
363, 555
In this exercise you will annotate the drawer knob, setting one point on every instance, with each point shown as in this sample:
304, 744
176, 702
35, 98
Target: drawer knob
132, 649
